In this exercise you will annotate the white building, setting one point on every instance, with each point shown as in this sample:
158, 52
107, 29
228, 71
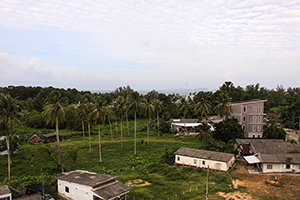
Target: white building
216, 161
79, 185
271, 155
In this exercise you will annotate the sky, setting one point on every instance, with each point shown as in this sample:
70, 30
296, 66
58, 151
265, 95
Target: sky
154, 44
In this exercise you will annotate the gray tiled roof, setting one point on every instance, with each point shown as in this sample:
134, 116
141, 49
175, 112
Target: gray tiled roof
280, 158
197, 153
111, 189
4, 189
86, 178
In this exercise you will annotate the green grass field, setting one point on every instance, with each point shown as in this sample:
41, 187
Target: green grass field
165, 181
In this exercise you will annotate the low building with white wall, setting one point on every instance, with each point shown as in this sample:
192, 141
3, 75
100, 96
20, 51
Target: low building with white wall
78, 185
216, 161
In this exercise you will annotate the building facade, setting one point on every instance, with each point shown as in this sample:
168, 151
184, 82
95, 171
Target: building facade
78, 185
250, 115
216, 161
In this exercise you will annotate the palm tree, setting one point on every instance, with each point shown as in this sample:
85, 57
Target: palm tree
148, 109
55, 112
8, 112
109, 114
205, 133
203, 107
135, 106
99, 114
82, 116
120, 106
89, 119
224, 106
157, 109
184, 108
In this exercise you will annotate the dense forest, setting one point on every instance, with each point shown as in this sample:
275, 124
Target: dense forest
32, 100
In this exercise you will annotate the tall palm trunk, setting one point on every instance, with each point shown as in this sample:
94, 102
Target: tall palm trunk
121, 135
58, 144
116, 126
83, 133
111, 133
147, 131
8, 155
99, 134
158, 124
134, 133
89, 127
127, 123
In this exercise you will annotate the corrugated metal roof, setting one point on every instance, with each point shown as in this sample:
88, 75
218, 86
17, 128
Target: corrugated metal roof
111, 189
197, 153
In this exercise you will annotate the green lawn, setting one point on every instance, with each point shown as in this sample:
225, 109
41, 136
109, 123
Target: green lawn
165, 181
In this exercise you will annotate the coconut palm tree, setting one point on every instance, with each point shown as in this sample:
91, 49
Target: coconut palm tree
203, 107
184, 108
224, 106
82, 116
109, 114
135, 106
148, 110
119, 109
55, 112
205, 133
8, 112
157, 108
99, 114
89, 119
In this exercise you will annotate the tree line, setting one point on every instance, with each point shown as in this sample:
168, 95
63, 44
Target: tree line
39, 107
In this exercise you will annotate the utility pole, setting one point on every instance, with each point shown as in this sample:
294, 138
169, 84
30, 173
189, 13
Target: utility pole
207, 183
43, 188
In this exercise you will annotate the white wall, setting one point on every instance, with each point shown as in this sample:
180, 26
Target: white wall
279, 168
76, 191
197, 162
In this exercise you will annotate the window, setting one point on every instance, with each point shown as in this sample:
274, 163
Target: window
203, 162
67, 189
253, 136
195, 161
245, 108
244, 118
244, 128
259, 118
287, 167
258, 136
254, 118
269, 166
254, 109
259, 109
258, 128
254, 128
178, 158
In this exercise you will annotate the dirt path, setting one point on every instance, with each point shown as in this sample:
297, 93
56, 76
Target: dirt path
255, 183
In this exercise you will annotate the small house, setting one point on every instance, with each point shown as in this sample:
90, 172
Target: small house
271, 155
51, 137
5, 192
216, 161
78, 185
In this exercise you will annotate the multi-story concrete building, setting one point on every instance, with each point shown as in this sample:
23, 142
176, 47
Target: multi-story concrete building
250, 115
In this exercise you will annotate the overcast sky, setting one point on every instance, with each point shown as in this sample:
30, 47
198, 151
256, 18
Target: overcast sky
101, 45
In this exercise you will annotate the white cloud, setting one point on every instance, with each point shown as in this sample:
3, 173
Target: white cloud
184, 39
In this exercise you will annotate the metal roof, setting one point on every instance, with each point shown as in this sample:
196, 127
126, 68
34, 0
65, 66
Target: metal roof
197, 153
86, 178
252, 159
111, 190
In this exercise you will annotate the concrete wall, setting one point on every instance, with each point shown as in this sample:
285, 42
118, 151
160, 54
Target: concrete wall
197, 162
76, 191
246, 117
279, 167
